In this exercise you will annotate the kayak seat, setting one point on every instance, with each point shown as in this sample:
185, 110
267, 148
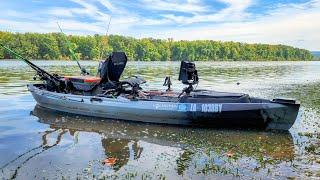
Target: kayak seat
215, 97
112, 68
83, 83
83, 79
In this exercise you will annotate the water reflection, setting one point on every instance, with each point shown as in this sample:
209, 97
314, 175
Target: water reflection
120, 151
204, 151
32, 153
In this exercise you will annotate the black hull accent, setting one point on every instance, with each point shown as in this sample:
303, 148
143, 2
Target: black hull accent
279, 119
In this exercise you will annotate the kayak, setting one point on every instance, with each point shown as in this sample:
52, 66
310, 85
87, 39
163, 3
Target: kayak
200, 108
106, 96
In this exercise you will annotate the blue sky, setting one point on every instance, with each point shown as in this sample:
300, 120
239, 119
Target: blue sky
294, 22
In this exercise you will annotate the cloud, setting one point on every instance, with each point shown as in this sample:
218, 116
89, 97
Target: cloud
292, 24
187, 6
90, 10
64, 12
108, 5
227, 20
235, 11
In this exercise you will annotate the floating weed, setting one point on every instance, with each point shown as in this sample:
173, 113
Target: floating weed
161, 177
308, 173
311, 148
291, 178
130, 175
307, 134
146, 176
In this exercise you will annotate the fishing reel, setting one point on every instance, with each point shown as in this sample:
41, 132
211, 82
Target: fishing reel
84, 72
38, 77
35, 77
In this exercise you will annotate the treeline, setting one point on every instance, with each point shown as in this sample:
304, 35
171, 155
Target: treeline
54, 46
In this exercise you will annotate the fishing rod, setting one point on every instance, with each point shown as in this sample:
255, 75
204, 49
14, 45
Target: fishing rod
44, 75
73, 55
108, 27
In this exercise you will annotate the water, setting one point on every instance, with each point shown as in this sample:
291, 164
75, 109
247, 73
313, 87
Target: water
36, 143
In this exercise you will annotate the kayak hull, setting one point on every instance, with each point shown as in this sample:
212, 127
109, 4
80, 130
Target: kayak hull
262, 115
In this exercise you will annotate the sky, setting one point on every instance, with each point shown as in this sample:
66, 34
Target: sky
290, 22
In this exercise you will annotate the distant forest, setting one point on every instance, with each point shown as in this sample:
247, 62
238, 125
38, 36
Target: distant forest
52, 46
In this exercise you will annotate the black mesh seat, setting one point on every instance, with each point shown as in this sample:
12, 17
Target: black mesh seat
111, 70
113, 67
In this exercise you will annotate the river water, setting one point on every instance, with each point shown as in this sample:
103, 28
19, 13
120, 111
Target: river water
36, 143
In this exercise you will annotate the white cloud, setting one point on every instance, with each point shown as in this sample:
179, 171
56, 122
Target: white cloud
293, 24
108, 5
63, 12
235, 11
187, 6
91, 10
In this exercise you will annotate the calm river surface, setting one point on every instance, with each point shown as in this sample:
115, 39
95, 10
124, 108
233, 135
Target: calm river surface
36, 143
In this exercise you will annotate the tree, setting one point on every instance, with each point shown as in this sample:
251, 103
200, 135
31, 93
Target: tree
48, 47
56, 46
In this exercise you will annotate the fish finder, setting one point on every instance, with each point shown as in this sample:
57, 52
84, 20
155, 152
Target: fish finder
188, 75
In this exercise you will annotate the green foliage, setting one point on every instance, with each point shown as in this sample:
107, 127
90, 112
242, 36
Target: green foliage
54, 46
5, 38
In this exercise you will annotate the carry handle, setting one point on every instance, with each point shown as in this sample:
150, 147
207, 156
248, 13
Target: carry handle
95, 99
